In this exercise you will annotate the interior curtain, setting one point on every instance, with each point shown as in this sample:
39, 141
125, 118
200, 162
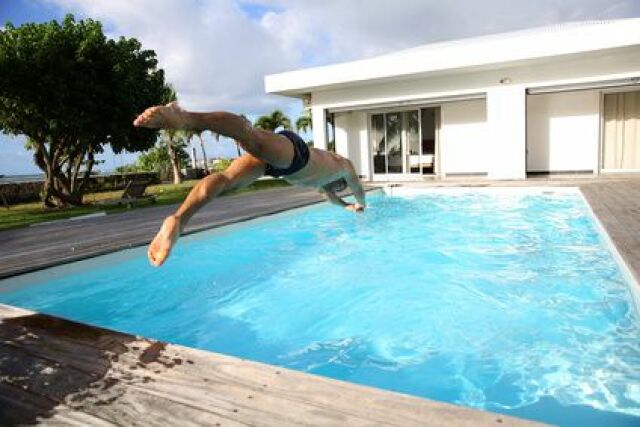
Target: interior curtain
622, 130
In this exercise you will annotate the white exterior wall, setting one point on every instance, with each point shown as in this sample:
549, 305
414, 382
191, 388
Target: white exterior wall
341, 122
506, 118
570, 142
351, 139
563, 131
319, 117
464, 144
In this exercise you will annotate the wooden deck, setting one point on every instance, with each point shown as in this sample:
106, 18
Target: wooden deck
57, 372
40, 246
54, 371
617, 206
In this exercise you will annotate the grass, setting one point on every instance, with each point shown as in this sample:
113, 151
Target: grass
166, 194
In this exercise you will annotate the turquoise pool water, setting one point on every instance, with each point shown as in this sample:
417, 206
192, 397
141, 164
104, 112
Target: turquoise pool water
505, 301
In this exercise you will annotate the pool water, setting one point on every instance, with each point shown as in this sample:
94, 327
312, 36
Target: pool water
504, 301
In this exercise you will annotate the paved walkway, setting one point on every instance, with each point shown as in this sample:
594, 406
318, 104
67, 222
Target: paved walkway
40, 246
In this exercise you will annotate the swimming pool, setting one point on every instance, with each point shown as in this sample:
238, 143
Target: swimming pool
508, 301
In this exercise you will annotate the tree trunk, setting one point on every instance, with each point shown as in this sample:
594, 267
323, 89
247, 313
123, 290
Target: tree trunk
61, 190
204, 154
175, 164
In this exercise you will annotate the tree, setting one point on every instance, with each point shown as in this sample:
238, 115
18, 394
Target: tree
273, 121
72, 91
190, 133
174, 141
304, 122
157, 160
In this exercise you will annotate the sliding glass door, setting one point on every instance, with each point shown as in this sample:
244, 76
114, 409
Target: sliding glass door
411, 121
403, 142
393, 122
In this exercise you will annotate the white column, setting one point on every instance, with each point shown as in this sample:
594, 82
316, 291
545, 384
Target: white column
363, 144
342, 134
506, 118
319, 118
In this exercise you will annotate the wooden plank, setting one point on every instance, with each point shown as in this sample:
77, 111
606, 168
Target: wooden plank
617, 206
55, 371
47, 245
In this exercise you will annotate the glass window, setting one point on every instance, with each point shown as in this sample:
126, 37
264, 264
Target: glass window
394, 142
378, 144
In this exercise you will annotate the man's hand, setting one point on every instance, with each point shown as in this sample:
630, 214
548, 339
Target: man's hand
354, 207
160, 247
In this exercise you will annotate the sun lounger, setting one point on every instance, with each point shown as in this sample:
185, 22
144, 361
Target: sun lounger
133, 192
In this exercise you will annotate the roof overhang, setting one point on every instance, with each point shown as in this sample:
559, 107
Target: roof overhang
466, 55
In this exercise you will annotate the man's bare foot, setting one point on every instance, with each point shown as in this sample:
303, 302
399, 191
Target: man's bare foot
160, 247
169, 116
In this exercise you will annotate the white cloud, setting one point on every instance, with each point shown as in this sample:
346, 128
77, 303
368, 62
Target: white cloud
338, 30
213, 53
216, 52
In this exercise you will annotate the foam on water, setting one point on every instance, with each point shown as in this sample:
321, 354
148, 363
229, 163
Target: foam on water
506, 302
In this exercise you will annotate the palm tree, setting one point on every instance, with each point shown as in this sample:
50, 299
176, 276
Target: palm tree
304, 122
204, 152
174, 140
273, 121
190, 133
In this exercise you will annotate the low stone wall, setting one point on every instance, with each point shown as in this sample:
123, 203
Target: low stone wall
23, 192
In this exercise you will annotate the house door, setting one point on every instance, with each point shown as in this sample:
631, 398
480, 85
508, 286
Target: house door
403, 143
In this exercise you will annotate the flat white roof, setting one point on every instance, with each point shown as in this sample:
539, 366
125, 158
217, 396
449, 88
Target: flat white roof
486, 51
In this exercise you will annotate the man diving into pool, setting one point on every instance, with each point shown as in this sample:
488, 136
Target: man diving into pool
283, 154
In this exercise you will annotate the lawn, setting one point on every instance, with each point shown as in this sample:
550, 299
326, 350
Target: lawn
166, 194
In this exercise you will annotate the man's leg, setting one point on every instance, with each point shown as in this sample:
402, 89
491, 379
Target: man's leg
267, 146
242, 172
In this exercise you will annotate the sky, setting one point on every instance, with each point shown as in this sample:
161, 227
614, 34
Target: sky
217, 52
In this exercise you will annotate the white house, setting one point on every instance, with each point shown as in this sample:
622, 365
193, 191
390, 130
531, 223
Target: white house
561, 99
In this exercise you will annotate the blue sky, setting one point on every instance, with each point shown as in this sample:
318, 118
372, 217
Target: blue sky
216, 52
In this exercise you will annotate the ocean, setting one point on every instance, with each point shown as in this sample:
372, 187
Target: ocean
20, 178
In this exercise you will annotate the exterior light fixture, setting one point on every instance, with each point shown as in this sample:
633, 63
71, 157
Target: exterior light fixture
505, 80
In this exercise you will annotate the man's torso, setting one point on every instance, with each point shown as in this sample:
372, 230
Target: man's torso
322, 168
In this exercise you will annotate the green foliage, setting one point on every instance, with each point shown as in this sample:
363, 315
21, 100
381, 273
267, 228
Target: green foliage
221, 164
157, 160
166, 194
273, 121
304, 122
132, 168
72, 91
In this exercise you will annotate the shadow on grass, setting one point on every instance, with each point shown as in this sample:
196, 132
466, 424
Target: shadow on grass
24, 215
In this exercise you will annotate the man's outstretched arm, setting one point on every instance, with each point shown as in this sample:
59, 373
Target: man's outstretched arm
335, 199
241, 173
353, 181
